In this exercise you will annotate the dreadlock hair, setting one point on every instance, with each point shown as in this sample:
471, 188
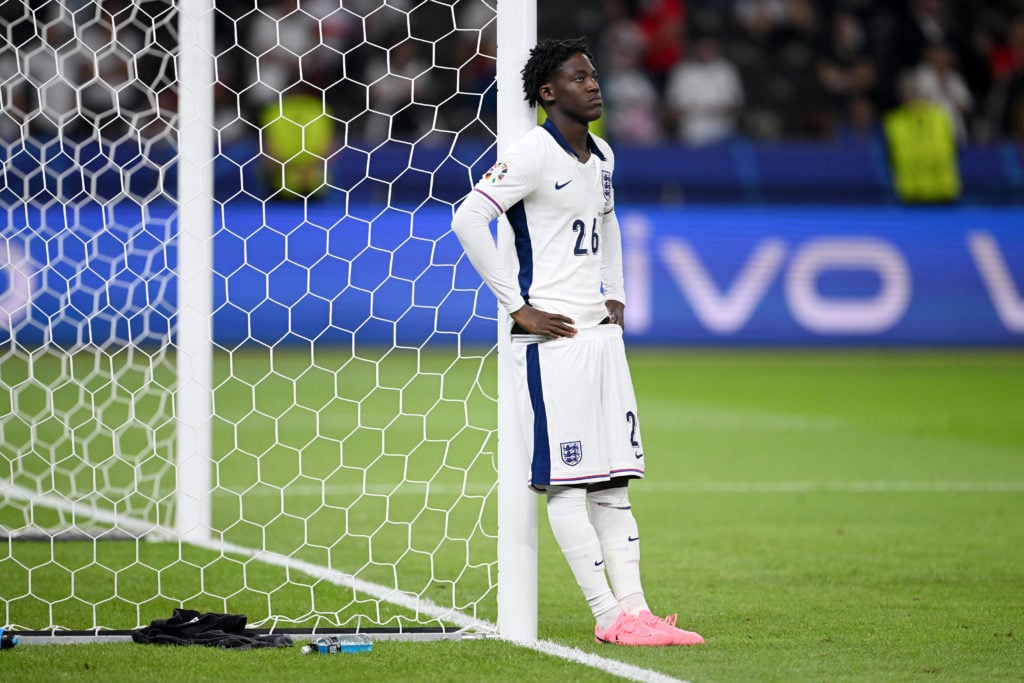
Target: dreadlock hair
545, 59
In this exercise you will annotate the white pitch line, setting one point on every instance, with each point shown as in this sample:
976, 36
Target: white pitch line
612, 666
56, 501
781, 487
423, 606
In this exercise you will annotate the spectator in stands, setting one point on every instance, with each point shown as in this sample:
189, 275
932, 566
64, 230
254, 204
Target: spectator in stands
859, 123
228, 116
924, 23
663, 23
760, 18
632, 101
54, 77
972, 57
13, 91
771, 22
621, 32
936, 80
1007, 56
87, 73
1007, 61
784, 98
478, 112
845, 71
271, 32
704, 95
293, 38
398, 81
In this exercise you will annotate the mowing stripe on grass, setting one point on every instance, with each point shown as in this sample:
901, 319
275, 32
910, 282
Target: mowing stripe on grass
421, 488
713, 420
837, 487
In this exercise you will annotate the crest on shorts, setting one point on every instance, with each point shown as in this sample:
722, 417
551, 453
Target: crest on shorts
496, 173
572, 452
606, 184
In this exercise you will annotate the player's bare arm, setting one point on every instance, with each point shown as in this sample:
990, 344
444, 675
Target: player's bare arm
536, 321
616, 312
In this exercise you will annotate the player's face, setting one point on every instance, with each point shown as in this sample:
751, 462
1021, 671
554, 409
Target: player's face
575, 89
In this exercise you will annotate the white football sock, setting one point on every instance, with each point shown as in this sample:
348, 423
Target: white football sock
570, 524
612, 518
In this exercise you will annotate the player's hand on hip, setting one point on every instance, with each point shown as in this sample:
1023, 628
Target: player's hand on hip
616, 312
536, 321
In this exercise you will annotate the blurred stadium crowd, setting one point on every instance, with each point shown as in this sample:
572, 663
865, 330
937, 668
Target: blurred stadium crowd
700, 70
694, 71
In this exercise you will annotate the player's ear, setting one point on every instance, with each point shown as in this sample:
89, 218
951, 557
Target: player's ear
547, 93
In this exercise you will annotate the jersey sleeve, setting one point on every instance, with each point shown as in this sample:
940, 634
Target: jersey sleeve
611, 258
611, 253
513, 176
607, 171
471, 225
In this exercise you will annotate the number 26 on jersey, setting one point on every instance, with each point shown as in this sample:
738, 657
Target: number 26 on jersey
580, 228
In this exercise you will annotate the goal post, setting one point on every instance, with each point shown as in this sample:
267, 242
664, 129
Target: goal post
194, 400
517, 505
250, 352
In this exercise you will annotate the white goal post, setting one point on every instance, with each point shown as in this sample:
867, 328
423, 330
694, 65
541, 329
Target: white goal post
244, 364
194, 490
517, 507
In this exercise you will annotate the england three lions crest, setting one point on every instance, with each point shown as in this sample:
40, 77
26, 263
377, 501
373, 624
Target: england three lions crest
606, 184
572, 452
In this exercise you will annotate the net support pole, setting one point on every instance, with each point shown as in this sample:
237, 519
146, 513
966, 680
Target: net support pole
517, 505
194, 397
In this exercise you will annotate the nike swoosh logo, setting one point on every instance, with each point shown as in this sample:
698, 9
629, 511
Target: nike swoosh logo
638, 455
599, 563
632, 538
559, 186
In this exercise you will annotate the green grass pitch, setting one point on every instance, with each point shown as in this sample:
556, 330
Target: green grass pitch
816, 515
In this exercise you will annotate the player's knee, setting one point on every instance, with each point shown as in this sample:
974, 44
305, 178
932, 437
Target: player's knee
566, 500
617, 497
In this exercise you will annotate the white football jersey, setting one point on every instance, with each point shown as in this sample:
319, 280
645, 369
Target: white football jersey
566, 254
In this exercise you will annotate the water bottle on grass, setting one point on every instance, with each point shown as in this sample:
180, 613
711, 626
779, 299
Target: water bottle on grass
330, 645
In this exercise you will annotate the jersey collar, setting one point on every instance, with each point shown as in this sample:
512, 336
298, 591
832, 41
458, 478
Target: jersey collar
560, 139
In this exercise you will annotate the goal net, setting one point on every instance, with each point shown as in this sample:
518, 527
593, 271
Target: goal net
259, 378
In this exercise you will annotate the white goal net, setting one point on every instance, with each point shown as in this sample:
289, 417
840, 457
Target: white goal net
348, 359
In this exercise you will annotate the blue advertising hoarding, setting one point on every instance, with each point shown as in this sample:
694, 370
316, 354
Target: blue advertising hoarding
703, 275
880, 275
